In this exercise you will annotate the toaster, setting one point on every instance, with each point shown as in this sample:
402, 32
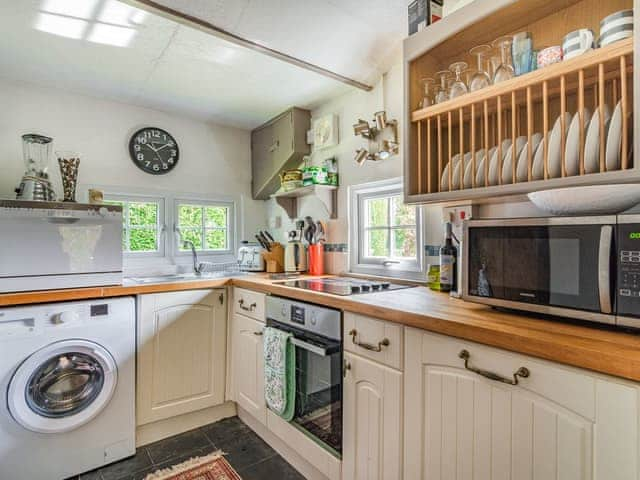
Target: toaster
250, 257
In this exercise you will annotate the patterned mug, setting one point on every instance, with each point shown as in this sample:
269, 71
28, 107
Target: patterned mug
549, 56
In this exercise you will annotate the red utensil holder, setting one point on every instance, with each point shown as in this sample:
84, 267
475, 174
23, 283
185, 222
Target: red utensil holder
316, 259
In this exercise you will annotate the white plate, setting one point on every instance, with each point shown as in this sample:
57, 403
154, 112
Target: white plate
480, 168
468, 171
494, 165
555, 145
590, 200
507, 169
592, 143
614, 139
522, 173
455, 180
444, 181
572, 148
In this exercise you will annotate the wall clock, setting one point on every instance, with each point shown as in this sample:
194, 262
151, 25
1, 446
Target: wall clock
154, 150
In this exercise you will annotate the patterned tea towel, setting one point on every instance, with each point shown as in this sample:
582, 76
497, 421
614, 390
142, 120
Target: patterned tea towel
279, 372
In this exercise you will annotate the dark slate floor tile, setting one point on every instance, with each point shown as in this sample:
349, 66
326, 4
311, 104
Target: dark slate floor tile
269, 469
245, 450
92, 475
225, 430
140, 461
179, 445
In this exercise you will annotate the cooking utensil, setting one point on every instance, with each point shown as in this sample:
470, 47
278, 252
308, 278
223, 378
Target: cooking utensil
269, 236
265, 240
320, 232
261, 242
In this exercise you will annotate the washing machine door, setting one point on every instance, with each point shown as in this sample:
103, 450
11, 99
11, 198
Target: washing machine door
62, 386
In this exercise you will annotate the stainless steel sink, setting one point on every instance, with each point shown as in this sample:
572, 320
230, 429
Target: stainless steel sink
185, 277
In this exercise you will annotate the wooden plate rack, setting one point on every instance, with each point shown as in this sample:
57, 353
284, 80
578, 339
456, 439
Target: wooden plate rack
462, 128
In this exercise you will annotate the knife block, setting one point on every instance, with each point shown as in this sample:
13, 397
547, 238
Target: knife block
274, 260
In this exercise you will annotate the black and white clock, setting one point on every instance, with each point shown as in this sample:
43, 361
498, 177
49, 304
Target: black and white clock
154, 150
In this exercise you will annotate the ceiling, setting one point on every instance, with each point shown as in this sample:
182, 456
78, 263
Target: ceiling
111, 49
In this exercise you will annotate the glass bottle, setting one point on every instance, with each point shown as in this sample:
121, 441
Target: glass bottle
448, 262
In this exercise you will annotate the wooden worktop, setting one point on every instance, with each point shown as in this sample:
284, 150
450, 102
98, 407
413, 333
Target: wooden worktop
594, 348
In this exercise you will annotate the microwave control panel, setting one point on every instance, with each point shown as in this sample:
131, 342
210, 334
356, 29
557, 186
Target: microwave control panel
629, 270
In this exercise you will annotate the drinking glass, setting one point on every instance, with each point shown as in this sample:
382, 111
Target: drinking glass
458, 87
428, 98
480, 78
443, 90
505, 70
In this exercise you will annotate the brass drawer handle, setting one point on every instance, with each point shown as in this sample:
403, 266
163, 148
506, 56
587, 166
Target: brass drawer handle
258, 334
250, 308
368, 346
522, 372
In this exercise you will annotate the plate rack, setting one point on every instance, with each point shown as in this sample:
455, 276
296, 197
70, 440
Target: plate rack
466, 126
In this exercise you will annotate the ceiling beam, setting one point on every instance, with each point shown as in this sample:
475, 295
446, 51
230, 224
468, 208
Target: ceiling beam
207, 27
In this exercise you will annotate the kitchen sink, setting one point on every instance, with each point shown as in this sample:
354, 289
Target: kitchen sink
185, 277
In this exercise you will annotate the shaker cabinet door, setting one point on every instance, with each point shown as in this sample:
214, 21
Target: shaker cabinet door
181, 353
372, 421
558, 422
248, 366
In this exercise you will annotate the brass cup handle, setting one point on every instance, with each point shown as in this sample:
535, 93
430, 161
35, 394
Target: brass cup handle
258, 333
368, 346
346, 366
522, 372
250, 308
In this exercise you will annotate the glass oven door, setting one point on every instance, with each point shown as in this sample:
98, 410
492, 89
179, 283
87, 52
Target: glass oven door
318, 409
557, 262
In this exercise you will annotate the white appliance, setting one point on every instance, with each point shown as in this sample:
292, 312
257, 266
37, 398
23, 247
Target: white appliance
67, 387
48, 245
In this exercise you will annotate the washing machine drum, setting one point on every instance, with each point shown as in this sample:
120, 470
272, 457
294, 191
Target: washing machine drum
62, 386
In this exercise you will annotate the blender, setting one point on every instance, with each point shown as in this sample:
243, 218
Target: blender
35, 184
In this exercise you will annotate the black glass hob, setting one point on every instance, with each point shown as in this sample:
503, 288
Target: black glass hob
343, 286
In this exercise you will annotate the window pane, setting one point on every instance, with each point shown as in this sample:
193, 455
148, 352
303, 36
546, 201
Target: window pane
402, 214
189, 216
377, 212
377, 243
404, 243
216, 239
216, 217
192, 235
143, 240
143, 214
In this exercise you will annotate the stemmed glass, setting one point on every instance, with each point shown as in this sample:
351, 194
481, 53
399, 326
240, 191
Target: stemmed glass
427, 100
480, 78
505, 70
458, 87
443, 91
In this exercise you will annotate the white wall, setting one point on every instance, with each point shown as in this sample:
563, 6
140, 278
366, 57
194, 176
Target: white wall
214, 161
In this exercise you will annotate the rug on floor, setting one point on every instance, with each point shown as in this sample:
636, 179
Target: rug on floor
209, 467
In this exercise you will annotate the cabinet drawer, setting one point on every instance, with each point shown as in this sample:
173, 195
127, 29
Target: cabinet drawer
374, 339
249, 303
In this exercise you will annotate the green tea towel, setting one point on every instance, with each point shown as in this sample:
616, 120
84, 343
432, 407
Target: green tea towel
279, 372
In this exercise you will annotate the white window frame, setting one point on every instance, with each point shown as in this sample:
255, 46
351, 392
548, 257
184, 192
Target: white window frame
160, 226
413, 269
231, 215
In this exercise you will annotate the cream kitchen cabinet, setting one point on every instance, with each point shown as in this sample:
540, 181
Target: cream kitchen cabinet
181, 353
248, 362
558, 422
372, 421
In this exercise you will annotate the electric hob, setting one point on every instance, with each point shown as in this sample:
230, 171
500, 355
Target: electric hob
343, 286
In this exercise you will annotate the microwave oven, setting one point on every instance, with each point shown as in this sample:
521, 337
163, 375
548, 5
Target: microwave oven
586, 268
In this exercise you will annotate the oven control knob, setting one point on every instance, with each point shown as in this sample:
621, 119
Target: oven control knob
284, 310
64, 317
366, 288
355, 289
314, 318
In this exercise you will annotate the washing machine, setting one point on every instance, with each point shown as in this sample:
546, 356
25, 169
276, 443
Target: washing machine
67, 378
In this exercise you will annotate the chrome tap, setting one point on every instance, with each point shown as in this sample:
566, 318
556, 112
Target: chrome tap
197, 267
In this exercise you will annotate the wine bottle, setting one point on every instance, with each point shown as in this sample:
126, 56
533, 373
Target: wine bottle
448, 261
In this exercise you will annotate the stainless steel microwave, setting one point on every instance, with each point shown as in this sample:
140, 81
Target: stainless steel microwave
586, 268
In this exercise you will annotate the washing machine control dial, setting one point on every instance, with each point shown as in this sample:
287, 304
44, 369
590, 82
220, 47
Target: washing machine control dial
64, 317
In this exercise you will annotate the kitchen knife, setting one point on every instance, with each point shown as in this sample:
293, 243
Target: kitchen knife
262, 244
264, 240
269, 237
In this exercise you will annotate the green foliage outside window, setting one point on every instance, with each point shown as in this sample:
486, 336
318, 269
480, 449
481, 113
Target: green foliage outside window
205, 226
390, 228
139, 226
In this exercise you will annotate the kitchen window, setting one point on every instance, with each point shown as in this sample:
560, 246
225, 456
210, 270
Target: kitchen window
386, 235
207, 224
142, 224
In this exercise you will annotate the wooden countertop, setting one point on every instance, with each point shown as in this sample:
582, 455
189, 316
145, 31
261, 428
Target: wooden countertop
594, 348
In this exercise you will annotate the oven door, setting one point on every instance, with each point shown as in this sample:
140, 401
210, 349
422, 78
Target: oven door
318, 408
556, 264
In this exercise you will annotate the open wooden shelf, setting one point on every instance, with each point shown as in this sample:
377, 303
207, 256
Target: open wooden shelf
327, 194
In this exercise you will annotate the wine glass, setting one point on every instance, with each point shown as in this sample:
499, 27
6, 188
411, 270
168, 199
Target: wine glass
480, 78
458, 87
427, 99
443, 90
505, 70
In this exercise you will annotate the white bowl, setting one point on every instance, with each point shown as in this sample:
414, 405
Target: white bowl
591, 200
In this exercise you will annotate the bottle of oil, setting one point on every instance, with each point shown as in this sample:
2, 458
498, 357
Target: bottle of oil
448, 262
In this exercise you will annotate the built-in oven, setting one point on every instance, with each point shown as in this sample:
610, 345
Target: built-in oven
586, 268
317, 338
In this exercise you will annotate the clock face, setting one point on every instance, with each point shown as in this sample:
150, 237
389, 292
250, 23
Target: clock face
154, 150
